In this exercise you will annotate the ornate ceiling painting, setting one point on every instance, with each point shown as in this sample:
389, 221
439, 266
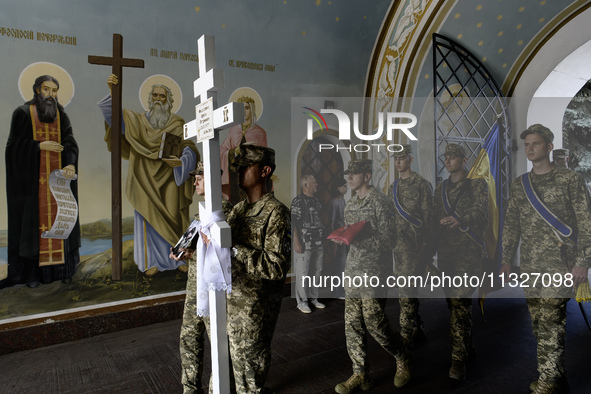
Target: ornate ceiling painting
505, 35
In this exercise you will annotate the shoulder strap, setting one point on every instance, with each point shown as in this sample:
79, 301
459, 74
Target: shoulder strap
406, 215
463, 189
450, 209
547, 215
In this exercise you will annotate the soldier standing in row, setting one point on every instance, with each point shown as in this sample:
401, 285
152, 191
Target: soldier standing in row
549, 211
192, 342
412, 196
260, 262
370, 255
460, 219
561, 157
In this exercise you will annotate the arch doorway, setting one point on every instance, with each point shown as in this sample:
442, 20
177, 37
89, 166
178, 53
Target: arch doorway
327, 166
550, 103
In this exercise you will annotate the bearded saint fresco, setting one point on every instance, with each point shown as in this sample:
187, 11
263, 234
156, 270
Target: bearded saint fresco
40, 141
160, 190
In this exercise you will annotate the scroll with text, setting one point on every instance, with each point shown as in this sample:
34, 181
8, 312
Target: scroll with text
67, 207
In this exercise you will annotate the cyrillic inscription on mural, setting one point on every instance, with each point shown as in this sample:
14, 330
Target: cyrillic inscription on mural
67, 207
251, 65
24, 34
173, 55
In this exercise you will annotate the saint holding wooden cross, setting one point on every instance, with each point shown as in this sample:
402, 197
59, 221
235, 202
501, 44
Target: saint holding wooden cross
158, 188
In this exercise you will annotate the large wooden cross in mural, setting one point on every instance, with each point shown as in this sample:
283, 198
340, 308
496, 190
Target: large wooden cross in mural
118, 62
210, 81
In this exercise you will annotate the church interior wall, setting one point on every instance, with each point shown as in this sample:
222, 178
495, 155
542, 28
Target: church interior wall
279, 50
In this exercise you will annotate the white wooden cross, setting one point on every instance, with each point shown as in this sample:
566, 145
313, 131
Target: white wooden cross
210, 81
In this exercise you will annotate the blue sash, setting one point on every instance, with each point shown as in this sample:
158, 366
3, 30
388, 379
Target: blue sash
546, 213
416, 222
448, 210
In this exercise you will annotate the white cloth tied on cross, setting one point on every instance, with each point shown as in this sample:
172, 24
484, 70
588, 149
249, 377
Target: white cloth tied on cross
213, 264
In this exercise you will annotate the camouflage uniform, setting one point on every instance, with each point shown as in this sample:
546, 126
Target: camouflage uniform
415, 195
458, 254
192, 343
260, 262
370, 254
565, 155
560, 154
261, 233
564, 192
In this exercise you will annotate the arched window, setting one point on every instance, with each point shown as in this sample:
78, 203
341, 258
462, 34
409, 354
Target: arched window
468, 104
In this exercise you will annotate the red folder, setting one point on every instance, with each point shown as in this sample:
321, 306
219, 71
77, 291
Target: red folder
347, 233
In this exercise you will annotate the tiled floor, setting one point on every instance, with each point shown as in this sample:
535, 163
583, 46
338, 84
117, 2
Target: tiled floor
309, 356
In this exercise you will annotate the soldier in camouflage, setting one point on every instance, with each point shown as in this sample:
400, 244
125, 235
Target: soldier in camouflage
561, 157
260, 262
192, 343
412, 197
460, 219
370, 255
545, 252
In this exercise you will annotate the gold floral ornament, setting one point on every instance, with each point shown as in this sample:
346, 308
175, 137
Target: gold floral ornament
246, 94
245, 99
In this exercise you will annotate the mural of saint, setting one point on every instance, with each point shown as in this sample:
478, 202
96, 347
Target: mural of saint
249, 131
159, 189
40, 141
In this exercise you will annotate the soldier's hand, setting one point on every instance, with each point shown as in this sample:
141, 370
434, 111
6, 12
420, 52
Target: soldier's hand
204, 238
505, 271
173, 256
579, 275
450, 222
112, 80
188, 253
69, 171
173, 161
51, 146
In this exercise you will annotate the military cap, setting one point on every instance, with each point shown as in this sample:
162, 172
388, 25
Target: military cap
454, 150
363, 166
560, 153
251, 154
540, 130
198, 169
405, 151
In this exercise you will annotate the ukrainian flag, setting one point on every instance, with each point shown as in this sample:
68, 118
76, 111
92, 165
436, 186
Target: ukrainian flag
488, 167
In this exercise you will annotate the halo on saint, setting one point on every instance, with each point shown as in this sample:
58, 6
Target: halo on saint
240, 94
161, 79
27, 79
